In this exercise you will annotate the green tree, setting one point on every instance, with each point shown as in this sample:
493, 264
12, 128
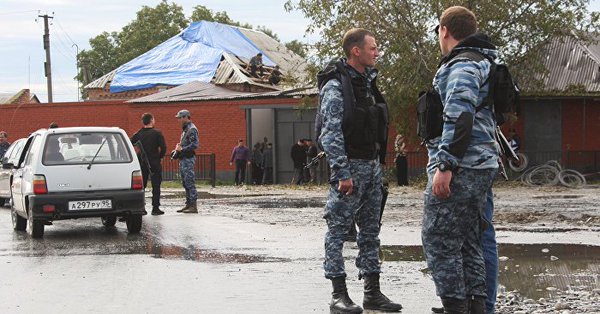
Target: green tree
410, 51
100, 59
202, 13
297, 47
269, 32
151, 27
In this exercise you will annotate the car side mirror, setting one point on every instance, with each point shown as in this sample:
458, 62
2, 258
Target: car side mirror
7, 165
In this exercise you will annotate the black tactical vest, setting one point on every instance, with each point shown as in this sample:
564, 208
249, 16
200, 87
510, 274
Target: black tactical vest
365, 121
361, 138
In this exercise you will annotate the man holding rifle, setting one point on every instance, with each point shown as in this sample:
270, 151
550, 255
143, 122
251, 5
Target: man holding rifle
151, 148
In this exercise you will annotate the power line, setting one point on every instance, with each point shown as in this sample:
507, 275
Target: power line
60, 26
16, 12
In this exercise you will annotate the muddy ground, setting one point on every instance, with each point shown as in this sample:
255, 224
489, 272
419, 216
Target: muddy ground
517, 208
548, 236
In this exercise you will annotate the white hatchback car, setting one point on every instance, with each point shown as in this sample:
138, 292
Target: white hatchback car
67, 173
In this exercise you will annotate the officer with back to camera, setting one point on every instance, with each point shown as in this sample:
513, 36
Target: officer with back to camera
154, 148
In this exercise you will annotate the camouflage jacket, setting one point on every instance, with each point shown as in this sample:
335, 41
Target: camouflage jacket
467, 138
190, 141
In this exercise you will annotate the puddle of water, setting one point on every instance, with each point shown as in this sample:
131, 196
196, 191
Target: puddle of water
565, 196
540, 270
286, 203
207, 195
106, 244
193, 253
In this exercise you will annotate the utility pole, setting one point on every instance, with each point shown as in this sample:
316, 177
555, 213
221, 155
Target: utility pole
47, 64
77, 68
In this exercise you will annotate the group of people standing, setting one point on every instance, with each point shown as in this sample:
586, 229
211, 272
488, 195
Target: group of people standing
260, 159
457, 233
302, 153
151, 148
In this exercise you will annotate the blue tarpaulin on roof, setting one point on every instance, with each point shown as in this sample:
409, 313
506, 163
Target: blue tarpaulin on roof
192, 55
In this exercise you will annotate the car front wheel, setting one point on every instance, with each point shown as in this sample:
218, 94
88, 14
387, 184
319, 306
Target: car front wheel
35, 227
134, 223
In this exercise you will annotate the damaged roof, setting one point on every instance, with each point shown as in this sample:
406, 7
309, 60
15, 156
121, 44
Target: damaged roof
572, 63
207, 52
200, 91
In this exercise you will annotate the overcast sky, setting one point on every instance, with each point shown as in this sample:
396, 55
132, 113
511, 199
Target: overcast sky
76, 21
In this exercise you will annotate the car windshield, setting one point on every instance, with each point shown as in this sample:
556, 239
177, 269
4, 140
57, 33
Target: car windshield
80, 148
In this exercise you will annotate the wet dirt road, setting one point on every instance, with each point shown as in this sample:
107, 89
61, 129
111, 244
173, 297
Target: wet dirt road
248, 251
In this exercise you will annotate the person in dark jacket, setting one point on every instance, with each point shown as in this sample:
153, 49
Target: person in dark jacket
311, 152
400, 160
241, 156
153, 145
257, 164
298, 155
268, 164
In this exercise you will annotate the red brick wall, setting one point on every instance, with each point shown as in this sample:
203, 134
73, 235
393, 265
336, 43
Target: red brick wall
220, 123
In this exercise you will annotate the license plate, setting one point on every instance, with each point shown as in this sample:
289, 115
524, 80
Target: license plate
95, 204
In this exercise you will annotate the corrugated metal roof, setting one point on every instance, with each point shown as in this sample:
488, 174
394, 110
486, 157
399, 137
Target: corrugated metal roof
5, 97
198, 91
571, 63
9, 98
229, 71
102, 81
292, 65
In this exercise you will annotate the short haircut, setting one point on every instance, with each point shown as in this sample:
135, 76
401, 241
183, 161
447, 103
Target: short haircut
460, 22
354, 38
147, 118
4, 133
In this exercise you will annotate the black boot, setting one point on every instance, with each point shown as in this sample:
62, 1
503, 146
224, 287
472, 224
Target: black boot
374, 299
454, 306
156, 211
476, 304
340, 300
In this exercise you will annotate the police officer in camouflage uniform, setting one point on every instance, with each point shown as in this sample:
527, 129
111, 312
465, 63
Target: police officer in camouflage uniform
463, 162
354, 137
187, 160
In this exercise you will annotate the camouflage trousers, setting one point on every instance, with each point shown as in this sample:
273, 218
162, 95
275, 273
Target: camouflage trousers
364, 204
188, 178
451, 234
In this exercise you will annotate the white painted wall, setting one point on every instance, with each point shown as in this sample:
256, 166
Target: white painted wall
262, 125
